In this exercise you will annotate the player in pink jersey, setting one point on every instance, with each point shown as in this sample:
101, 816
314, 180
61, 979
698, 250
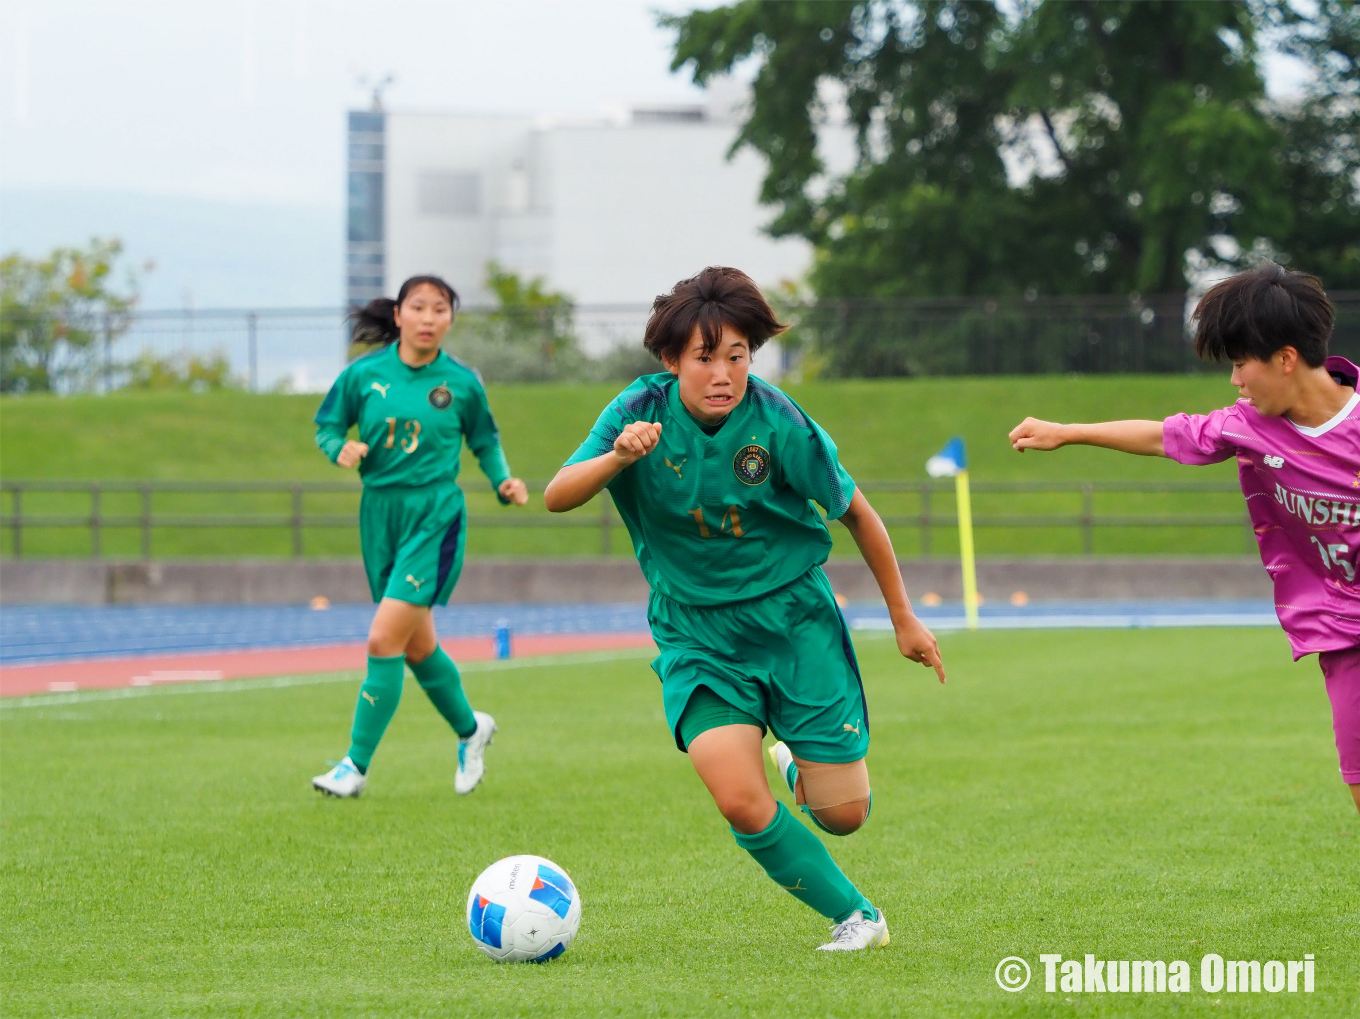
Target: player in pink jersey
1295, 432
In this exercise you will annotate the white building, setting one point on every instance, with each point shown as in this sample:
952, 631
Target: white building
609, 211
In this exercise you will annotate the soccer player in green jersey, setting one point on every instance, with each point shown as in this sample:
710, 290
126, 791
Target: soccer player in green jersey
413, 405
715, 473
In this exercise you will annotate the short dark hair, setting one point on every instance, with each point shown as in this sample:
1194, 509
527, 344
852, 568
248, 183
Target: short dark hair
375, 323
1255, 313
716, 297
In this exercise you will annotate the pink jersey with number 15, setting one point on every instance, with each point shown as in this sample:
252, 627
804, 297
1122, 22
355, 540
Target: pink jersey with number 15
1303, 495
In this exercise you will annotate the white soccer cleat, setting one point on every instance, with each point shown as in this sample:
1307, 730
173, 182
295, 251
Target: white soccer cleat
783, 763
471, 767
857, 933
342, 780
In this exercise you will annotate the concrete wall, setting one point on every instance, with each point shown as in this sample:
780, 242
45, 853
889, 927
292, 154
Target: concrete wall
456, 246
636, 208
612, 212
286, 581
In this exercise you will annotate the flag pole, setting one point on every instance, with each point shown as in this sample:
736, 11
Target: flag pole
969, 563
952, 462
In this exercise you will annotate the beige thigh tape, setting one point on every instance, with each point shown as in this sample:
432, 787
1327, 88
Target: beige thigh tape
830, 785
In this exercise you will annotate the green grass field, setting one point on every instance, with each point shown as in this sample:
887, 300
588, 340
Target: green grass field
885, 431
164, 856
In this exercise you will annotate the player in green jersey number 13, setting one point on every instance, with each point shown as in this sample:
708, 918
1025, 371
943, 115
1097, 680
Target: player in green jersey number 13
714, 473
413, 406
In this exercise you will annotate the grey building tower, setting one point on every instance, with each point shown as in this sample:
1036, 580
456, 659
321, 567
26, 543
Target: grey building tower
365, 253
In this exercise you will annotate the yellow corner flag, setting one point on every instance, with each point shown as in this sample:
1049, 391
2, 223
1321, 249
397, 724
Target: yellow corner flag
952, 461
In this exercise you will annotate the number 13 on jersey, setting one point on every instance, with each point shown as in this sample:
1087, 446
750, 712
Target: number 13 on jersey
409, 442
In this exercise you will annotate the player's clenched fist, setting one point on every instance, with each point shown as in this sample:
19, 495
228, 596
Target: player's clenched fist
1032, 433
351, 453
515, 491
637, 440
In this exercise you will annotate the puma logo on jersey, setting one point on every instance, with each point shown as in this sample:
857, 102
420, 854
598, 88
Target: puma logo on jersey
852, 728
368, 697
413, 582
676, 467
381, 388
1274, 461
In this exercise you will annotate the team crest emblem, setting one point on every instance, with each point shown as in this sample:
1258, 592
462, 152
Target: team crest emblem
751, 464
440, 397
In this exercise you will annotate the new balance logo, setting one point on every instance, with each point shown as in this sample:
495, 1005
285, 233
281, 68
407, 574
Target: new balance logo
381, 388
1274, 461
676, 467
852, 728
368, 697
414, 582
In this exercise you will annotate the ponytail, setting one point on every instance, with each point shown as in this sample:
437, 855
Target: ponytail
375, 324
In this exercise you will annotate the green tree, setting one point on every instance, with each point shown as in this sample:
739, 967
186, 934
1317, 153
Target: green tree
1084, 147
197, 373
528, 312
528, 337
53, 312
1321, 154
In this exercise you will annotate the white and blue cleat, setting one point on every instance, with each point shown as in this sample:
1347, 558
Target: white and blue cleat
857, 933
783, 763
344, 780
471, 765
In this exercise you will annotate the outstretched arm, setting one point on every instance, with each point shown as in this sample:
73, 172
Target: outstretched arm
913, 639
576, 484
1141, 437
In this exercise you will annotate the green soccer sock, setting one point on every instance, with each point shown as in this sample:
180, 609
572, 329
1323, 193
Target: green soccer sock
438, 677
378, 700
796, 859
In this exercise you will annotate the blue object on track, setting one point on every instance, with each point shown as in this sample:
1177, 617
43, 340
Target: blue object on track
501, 638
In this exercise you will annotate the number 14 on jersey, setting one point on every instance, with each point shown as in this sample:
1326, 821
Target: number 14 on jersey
730, 523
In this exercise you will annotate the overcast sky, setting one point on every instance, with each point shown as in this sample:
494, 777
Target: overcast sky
243, 100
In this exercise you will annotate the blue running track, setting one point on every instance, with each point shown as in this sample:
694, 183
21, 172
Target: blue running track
53, 633
31, 634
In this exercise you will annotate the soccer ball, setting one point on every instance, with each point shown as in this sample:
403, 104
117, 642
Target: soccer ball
523, 909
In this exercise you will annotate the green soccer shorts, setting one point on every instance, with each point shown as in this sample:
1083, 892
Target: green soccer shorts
412, 540
785, 659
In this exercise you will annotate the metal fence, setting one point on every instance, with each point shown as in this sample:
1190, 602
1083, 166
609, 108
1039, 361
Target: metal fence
294, 511
303, 349
1018, 336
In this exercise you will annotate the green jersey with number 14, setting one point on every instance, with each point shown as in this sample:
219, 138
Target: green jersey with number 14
413, 419
724, 517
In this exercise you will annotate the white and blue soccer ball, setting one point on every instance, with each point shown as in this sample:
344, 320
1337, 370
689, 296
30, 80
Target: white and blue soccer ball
523, 909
